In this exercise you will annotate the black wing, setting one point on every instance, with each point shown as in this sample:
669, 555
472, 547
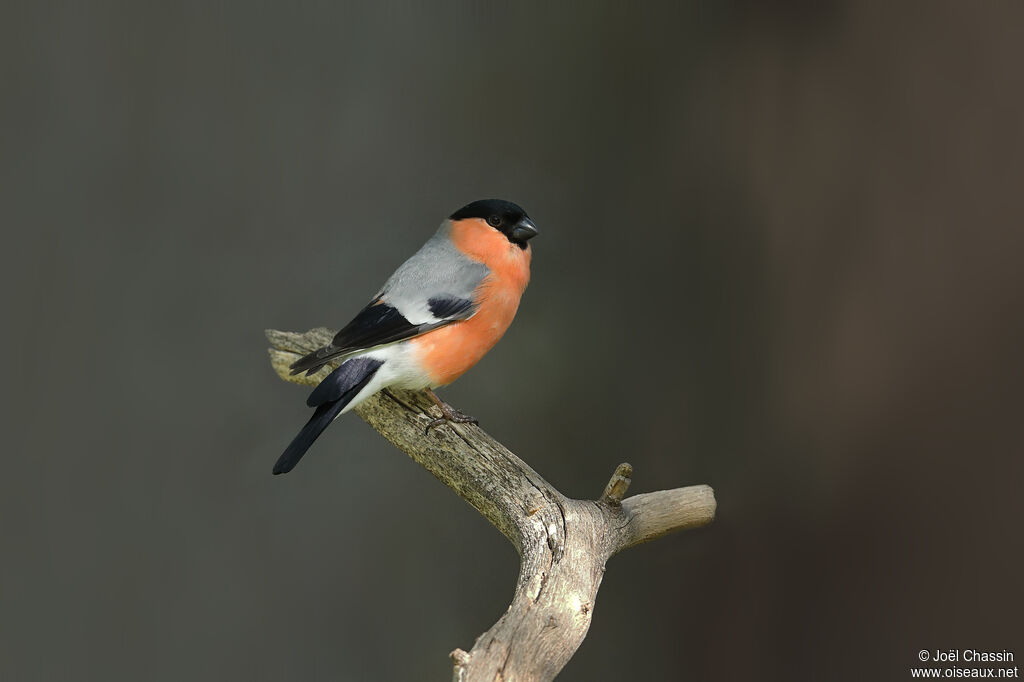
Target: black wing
450, 307
380, 323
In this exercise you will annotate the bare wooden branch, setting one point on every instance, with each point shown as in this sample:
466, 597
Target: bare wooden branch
652, 515
563, 543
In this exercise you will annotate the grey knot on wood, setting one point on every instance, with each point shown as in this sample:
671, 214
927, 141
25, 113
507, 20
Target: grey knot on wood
563, 544
618, 484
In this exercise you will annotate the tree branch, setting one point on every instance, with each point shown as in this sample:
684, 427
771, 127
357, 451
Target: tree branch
563, 543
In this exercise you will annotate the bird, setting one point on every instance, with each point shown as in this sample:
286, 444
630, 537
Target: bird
434, 318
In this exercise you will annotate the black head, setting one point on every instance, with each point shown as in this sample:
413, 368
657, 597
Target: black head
503, 216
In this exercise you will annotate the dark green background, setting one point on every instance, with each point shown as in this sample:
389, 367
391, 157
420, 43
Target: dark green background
781, 254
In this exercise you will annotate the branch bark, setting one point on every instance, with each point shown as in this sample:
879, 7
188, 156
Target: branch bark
563, 543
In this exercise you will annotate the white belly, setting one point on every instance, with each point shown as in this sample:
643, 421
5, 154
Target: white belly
400, 370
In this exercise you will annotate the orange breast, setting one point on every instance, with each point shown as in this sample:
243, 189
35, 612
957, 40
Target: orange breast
447, 353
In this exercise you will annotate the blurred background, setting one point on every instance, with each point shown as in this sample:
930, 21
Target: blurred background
780, 253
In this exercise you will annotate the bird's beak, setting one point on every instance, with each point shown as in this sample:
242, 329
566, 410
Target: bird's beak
524, 230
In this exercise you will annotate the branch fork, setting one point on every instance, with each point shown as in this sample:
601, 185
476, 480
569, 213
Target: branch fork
563, 543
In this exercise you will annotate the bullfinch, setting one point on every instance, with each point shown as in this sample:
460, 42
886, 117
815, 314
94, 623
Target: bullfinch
433, 319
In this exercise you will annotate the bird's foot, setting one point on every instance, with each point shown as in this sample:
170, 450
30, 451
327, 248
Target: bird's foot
448, 413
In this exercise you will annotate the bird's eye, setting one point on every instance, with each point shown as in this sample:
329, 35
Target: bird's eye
494, 221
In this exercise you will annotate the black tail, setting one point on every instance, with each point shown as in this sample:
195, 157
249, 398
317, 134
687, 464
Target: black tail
321, 419
331, 397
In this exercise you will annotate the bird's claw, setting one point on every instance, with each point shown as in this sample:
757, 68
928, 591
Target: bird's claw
448, 413
451, 415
